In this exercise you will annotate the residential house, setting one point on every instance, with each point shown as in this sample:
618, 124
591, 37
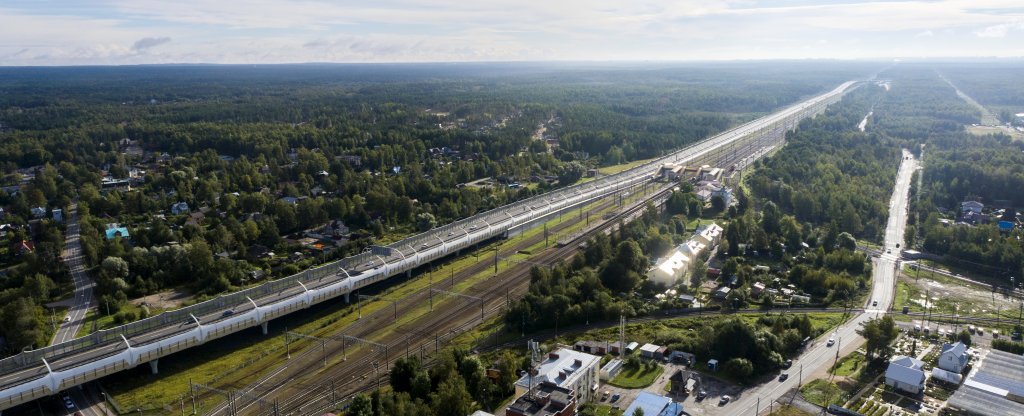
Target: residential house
682, 383
115, 230
756, 289
710, 234
704, 195
905, 374
971, 206
38, 212
953, 357
670, 269
632, 346
721, 293
180, 208
566, 368
23, 247
352, 160
57, 215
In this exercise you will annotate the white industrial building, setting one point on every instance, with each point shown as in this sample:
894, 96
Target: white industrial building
567, 368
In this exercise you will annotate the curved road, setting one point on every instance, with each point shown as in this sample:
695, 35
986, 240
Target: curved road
821, 356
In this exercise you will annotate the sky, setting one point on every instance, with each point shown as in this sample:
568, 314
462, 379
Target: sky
116, 32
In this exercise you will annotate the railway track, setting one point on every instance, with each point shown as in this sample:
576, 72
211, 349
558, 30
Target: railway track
345, 380
422, 334
494, 297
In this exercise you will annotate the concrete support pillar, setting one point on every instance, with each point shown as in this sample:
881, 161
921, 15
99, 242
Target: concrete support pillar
263, 326
153, 366
408, 273
346, 297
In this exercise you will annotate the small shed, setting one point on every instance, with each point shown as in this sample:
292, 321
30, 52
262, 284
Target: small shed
713, 364
659, 353
631, 347
649, 350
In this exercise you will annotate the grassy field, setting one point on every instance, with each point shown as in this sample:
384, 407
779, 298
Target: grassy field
986, 130
613, 169
637, 378
600, 410
823, 393
92, 318
235, 361
849, 365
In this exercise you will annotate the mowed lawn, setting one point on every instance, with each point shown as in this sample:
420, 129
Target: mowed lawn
637, 377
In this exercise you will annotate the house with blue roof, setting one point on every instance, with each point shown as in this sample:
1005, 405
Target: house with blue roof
653, 404
117, 230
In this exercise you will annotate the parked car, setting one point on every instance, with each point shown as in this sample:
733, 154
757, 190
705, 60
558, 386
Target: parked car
702, 394
874, 303
605, 395
724, 400
787, 364
615, 397
783, 376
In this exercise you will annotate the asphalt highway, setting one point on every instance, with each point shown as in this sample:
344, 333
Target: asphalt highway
72, 256
820, 355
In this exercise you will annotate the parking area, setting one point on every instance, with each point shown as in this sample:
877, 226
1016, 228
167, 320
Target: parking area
709, 405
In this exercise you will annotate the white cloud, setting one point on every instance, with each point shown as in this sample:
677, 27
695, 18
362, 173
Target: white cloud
999, 31
276, 31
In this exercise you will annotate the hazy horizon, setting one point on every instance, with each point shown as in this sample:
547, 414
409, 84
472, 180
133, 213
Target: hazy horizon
123, 32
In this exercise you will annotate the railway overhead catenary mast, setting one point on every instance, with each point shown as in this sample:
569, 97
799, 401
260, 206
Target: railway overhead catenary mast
49, 370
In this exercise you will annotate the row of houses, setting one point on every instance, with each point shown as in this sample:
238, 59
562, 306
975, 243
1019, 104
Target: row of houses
907, 374
675, 266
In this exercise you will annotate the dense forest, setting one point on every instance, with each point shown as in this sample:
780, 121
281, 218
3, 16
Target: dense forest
996, 85
831, 173
211, 178
959, 167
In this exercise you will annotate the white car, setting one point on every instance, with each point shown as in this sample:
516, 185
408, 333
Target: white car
830, 342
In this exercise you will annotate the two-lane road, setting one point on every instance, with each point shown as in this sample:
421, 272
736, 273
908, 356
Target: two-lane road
82, 301
820, 356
